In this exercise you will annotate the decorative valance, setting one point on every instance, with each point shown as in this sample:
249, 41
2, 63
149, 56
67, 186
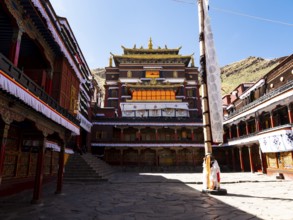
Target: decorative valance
152, 106
55, 147
15, 89
84, 123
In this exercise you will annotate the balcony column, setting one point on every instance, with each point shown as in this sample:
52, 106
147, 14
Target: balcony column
157, 157
121, 134
175, 134
257, 123
238, 132
272, 119
49, 81
233, 160
157, 134
251, 160
176, 156
192, 134
241, 159
227, 157
193, 157
138, 134
138, 157
61, 164
290, 114
121, 157
15, 46
246, 128
39, 172
263, 161
2, 150
230, 132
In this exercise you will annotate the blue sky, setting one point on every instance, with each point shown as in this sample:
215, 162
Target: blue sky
102, 26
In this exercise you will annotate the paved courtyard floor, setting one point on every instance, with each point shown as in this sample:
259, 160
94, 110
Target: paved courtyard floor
137, 196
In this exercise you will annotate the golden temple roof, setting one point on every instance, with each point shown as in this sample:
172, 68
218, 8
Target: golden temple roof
151, 55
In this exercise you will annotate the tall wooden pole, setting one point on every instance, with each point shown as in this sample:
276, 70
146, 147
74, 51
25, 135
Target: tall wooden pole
204, 94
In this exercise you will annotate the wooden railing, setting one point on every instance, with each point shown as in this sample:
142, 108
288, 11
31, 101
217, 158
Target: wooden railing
20, 77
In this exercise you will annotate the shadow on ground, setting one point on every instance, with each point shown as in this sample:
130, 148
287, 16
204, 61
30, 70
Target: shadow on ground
126, 196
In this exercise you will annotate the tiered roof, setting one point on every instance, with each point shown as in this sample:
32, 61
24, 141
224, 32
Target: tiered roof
151, 56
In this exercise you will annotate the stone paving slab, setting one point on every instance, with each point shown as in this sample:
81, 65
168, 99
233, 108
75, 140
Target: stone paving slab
136, 196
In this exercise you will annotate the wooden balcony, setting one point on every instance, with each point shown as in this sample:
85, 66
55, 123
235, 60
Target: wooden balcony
20, 77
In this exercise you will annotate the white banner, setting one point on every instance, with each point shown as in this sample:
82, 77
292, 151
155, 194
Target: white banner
213, 81
12, 87
280, 141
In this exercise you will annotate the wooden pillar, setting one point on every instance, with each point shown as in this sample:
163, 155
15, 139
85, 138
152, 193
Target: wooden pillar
157, 134
193, 158
121, 157
263, 161
138, 135
15, 46
227, 157
233, 160
290, 114
49, 82
192, 134
257, 124
175, 134
138, 157
246, 128
230, 133
237, 129
60, 170
157, 157
176, 157
2, 150
39, 172
121, 134
251, 160
241, 159
272, 119
61, 165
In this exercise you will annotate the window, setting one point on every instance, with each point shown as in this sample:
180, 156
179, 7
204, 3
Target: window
189, 93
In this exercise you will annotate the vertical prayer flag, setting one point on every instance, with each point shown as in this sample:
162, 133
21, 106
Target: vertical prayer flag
213, 73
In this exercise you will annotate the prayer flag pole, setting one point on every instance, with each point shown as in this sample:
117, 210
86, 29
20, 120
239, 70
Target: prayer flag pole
208, 184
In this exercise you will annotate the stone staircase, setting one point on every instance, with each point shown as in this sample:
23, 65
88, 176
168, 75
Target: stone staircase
86, 168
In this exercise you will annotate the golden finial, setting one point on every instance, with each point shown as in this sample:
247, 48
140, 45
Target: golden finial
134, 47
110, 61
150, 44
192, 61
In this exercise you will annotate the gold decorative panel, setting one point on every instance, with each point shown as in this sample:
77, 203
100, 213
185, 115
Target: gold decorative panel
287, 159
272, 160
152, 74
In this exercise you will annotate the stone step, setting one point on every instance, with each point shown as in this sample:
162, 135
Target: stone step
87, 167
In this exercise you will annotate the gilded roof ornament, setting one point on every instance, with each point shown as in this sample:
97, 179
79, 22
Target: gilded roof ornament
134, 47
110, 62
192, 61
150, 44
